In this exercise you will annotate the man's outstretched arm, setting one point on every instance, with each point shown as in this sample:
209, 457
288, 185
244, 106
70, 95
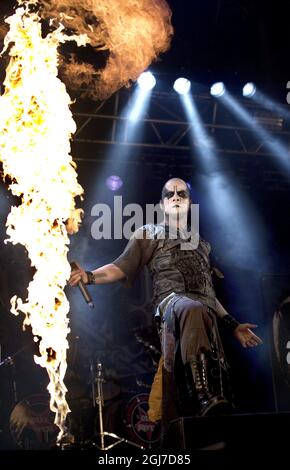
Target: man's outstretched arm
242, 331
125, 268
103, 275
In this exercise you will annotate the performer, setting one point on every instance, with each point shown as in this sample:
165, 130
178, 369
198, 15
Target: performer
191, 369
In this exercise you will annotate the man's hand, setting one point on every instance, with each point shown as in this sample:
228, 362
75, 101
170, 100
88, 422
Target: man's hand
246, 337
77, 275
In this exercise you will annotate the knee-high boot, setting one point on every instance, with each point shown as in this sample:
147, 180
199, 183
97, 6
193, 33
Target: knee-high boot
207, 403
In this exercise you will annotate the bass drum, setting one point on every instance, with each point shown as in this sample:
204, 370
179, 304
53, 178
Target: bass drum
32, 423
139, 428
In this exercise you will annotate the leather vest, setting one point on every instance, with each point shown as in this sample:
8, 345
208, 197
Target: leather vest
181, 271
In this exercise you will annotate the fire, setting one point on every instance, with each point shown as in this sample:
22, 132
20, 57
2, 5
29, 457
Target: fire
36, 125
132, 32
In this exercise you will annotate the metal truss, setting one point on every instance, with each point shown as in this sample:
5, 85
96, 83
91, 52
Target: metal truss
165, 127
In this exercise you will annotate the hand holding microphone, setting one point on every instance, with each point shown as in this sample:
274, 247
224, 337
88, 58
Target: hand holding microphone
80, 278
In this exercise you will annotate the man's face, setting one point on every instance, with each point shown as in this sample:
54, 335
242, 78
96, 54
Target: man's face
176, 199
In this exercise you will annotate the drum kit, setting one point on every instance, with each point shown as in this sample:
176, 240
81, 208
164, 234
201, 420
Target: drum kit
96, 414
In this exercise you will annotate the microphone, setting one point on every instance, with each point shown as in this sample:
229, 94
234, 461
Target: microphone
83, 288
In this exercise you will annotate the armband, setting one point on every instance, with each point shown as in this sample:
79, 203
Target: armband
91, 277
230, 322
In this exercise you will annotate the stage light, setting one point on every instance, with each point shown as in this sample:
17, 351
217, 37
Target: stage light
249, 90
182, 86
146, 81
218, 89
114, 182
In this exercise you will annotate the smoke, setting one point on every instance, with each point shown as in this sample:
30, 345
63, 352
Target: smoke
126, 36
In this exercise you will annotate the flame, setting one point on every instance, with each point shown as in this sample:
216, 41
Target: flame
36, 125
133, 32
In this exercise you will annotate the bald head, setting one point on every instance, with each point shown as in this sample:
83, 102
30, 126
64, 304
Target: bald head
175, 201
172, 183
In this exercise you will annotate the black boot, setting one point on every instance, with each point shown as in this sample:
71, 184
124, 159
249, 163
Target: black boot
208, 404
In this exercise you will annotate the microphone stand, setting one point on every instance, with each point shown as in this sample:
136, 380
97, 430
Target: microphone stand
99, 400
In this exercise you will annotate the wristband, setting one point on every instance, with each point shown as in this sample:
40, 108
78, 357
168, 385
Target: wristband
91, 277
230, 322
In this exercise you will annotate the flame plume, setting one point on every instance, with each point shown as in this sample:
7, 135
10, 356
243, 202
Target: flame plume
132, 32
36, 125
35, 129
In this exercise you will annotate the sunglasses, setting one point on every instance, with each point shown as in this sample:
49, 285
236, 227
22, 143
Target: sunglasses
169, 194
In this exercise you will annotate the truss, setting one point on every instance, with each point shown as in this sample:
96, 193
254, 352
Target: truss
165, 129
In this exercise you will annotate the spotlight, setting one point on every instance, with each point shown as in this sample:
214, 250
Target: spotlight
114, 182
249, 90
182, 86
146, 81
218, 89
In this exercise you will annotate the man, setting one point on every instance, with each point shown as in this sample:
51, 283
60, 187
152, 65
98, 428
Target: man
186, 305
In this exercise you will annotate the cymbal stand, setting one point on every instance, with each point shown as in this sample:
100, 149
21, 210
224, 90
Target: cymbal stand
9, 361
99, 400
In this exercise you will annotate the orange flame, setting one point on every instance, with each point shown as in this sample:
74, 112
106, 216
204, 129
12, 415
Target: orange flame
36, 125
133, 32
35, 129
